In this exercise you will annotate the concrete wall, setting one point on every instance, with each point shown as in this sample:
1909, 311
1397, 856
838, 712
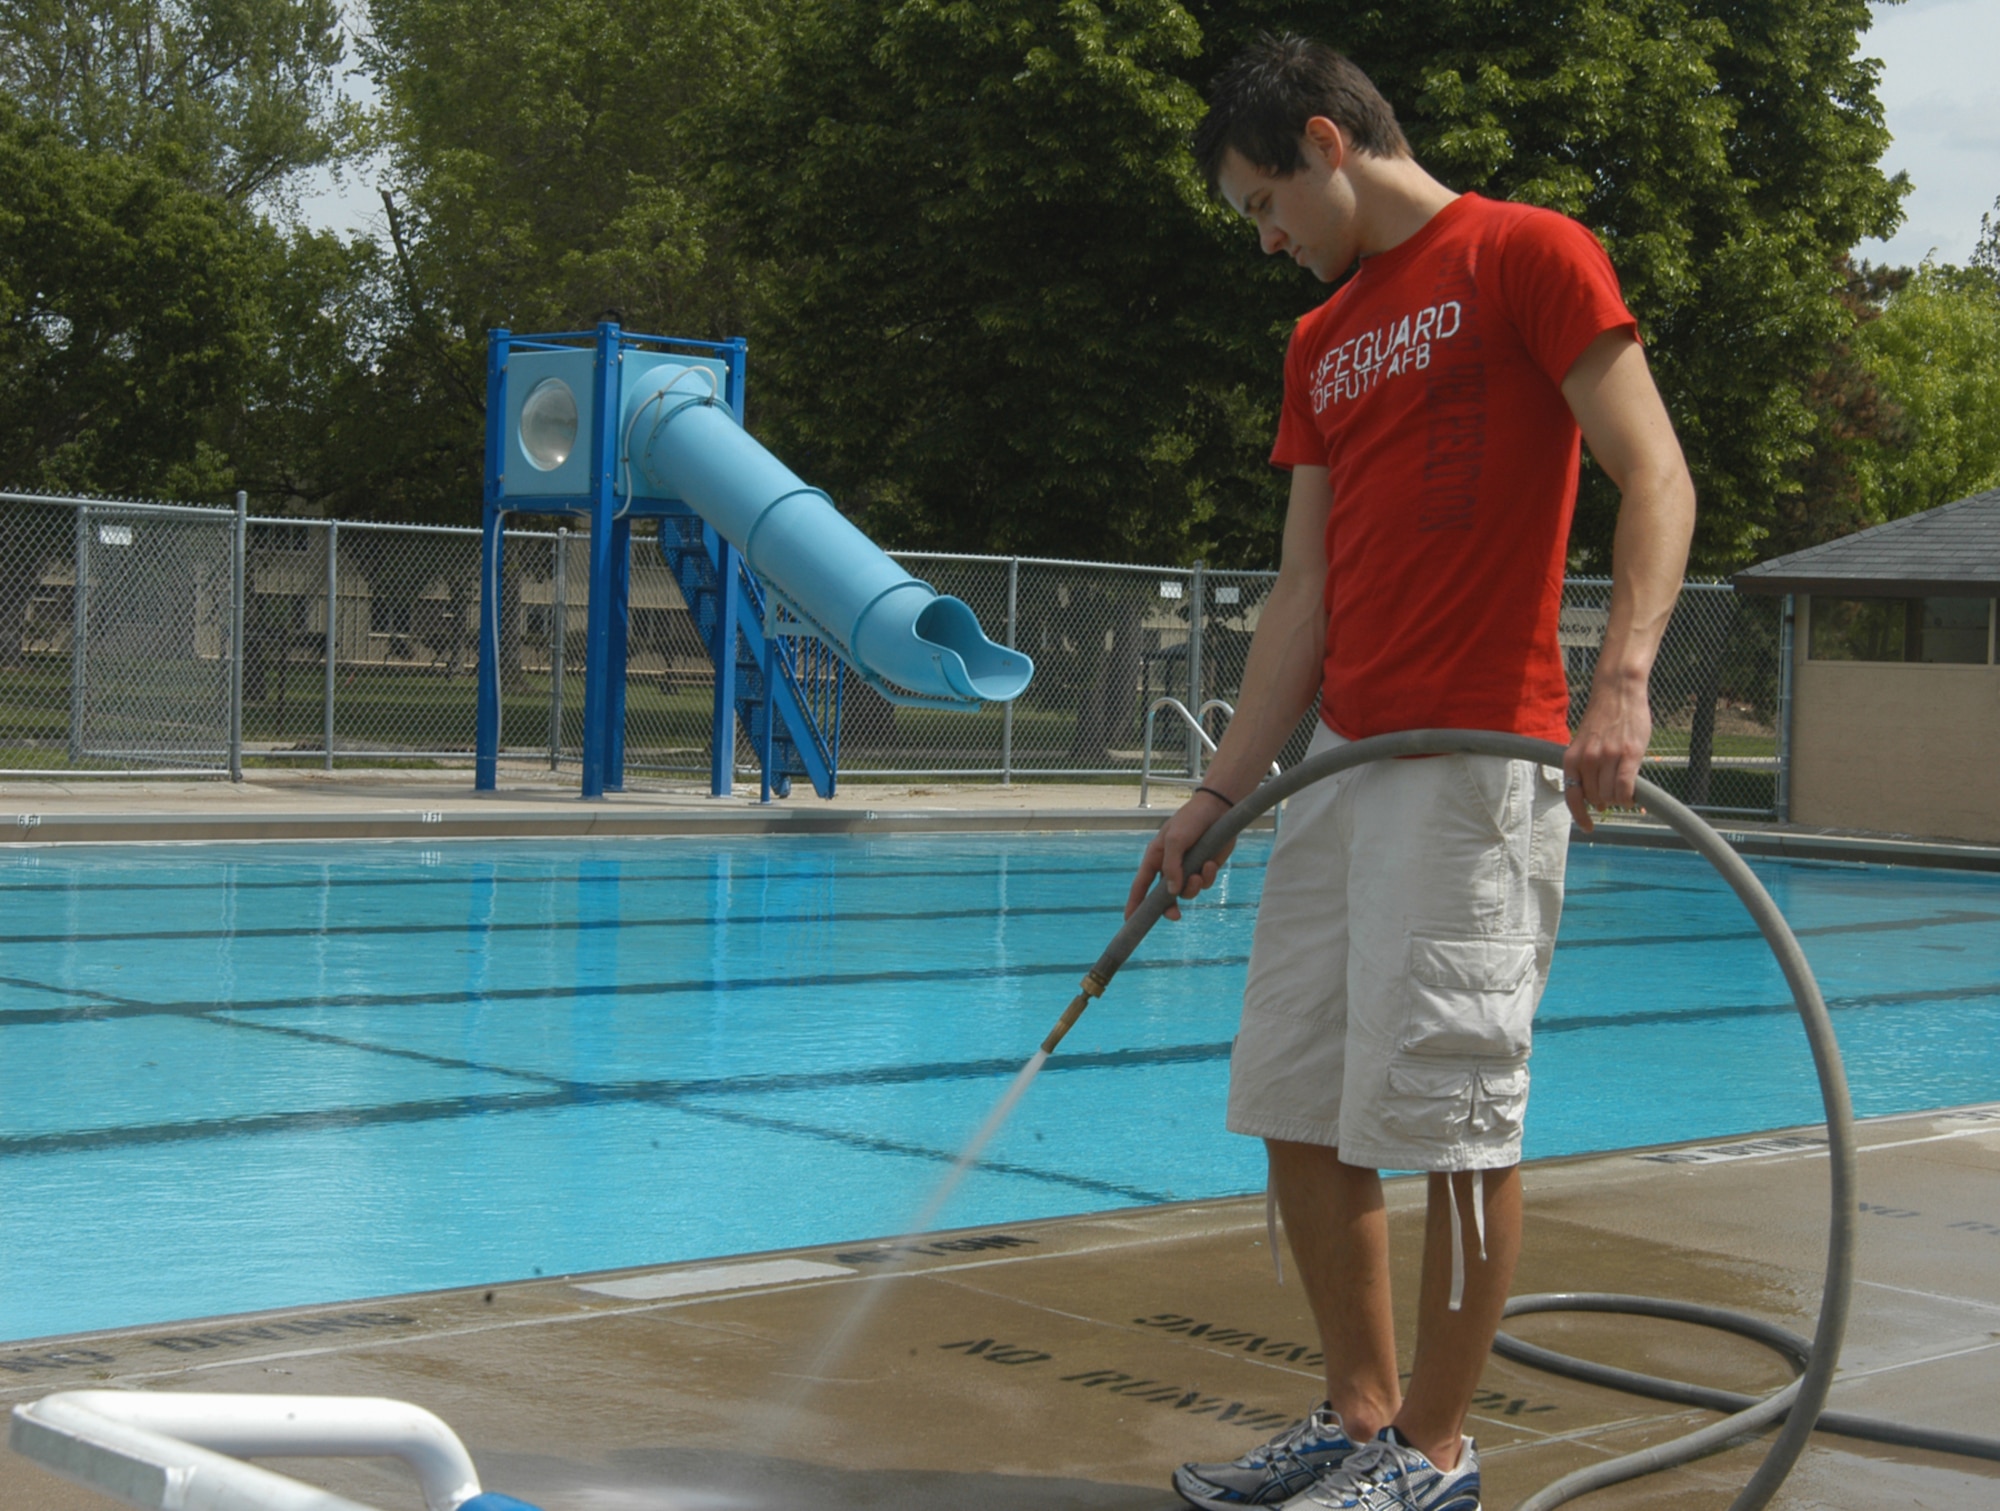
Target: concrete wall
1893, 746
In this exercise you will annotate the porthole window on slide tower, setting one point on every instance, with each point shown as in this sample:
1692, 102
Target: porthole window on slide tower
548, 424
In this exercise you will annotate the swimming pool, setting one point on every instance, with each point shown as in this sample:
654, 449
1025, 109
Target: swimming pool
234, 1078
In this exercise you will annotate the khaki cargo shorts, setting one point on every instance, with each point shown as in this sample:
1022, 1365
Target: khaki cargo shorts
1402, 944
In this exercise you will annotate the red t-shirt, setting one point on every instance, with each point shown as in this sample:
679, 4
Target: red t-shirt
1430, 387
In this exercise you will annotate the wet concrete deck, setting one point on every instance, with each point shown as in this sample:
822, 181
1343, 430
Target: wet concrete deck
1070, 1364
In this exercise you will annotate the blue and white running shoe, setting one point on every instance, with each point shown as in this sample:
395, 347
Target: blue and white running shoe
1273, 1473
1390, 1475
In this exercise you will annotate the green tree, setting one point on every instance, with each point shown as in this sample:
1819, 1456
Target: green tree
1006, 316
1935, 352
240, 93
1854, 418
543, 174
155, 322
130, 310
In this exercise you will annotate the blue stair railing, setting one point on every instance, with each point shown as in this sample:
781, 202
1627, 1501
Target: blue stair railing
804, 695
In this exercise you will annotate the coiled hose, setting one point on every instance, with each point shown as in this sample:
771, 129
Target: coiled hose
1800, 1403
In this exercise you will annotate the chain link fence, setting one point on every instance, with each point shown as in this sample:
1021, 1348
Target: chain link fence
153, 638
115, 636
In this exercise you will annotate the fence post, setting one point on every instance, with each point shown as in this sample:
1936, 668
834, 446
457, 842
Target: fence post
1007, 708
558, 643
239, 554
79, 634
1196, 609
332, 632
1787, 629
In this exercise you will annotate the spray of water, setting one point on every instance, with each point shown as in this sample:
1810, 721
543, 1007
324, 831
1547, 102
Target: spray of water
867, 1296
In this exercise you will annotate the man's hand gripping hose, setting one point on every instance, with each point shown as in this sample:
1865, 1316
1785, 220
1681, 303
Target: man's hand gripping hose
1801, 1404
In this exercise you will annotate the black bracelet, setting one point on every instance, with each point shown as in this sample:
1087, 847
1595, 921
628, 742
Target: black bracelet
1227, 802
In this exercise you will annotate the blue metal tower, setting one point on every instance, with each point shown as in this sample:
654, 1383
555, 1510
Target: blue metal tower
796, 730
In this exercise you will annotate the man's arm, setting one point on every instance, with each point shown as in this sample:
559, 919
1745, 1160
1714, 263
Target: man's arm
1610, 391
1279, 680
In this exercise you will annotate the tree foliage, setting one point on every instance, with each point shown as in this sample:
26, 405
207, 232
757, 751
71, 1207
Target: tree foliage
1854, 422
1935, 352
129, 312
991, 306
543, 173
995, 316
234, 95
148, 299
988, 211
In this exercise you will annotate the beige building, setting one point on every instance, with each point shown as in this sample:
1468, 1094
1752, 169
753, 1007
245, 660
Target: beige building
1896, 694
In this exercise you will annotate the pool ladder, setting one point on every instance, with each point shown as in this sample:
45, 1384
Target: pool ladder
1193, 722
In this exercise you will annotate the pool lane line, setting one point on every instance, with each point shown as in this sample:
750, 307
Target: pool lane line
117, 1007
113, 1008
830, 917
1950, 919
463, 878
870, 1144
561, 1093
558, 1094
1572, 1023
834, 918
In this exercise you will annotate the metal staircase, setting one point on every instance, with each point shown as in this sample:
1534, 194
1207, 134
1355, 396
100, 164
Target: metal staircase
804, 682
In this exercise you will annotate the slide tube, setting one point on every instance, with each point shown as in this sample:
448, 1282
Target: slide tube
901, 635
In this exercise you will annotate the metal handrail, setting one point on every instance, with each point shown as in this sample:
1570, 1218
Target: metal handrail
1193, 722
1146, 756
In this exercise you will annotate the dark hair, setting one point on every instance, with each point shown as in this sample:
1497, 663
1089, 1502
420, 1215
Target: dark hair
1260, 103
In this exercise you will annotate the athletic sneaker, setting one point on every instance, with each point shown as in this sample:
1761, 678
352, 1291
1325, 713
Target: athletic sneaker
1390, 1475
1275, 1472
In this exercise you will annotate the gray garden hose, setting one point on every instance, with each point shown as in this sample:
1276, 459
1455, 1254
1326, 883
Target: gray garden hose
1796, 1349
1801, 1402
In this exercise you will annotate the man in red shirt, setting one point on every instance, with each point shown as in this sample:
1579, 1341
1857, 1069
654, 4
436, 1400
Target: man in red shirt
1433, 416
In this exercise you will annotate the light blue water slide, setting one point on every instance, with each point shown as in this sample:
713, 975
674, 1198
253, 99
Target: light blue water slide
909, 642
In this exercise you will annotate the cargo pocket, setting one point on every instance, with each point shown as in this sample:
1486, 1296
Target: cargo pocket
1471, 999
1439, 1106
1500, 1101
1429, 1105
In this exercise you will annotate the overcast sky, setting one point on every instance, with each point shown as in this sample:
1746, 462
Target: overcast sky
1940, 86
1940, 78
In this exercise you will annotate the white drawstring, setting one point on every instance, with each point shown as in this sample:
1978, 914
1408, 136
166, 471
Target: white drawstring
1271, 1225
1457, 1302
1479, 1210
1458, 1232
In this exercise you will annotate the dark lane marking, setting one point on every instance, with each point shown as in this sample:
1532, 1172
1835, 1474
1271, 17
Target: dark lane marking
1620, 888
463, 878
871, 1145
1729, 936
559, 1094
134, 1007
27, 985
831, 917
1572, 1023
391, 1051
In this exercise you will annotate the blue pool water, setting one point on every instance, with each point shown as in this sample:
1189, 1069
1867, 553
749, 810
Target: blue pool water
234, 1078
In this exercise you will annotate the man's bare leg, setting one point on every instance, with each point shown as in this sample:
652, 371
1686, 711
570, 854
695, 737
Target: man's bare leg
1452, 1346
1339, 1233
